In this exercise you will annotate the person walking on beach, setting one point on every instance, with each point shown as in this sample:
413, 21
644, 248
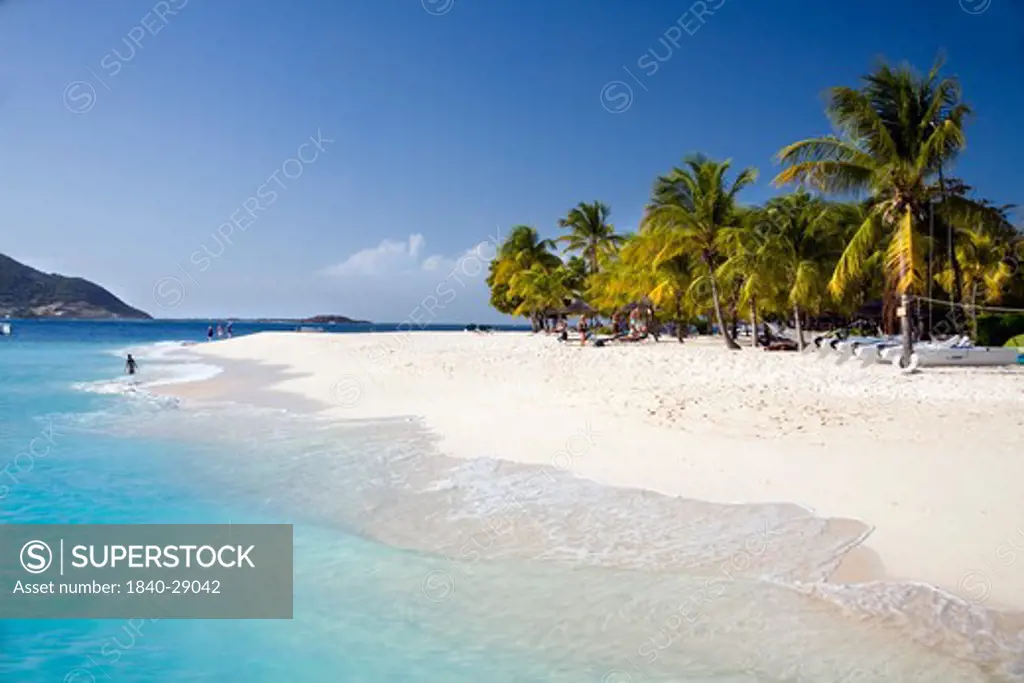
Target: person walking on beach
130, 366
228, 331
209, 333
562, 330
650, 322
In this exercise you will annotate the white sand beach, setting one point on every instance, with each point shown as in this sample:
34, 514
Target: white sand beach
931, 461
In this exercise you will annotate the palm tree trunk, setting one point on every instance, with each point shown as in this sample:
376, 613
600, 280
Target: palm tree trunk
908, 347
904, 312
729, 342
753, 321
799, 328
974, 310
679, 317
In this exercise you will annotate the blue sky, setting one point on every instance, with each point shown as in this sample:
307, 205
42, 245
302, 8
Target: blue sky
132, 130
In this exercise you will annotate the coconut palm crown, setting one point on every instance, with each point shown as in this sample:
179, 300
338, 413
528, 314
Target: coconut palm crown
590, 233
897, 132
693, 206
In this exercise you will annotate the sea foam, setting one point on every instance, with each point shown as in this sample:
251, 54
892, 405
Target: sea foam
159, 364
640, 585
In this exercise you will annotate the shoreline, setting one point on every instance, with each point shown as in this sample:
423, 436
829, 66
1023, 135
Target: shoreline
252, 383
467, 387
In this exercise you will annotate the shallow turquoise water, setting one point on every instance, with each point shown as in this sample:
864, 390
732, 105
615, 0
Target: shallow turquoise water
401, 573
342, 630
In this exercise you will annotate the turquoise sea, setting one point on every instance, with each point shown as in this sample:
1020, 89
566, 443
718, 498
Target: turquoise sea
411, 567
344, 629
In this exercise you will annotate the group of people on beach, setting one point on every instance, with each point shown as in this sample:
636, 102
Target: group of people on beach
632, 327
222, 331
131, 366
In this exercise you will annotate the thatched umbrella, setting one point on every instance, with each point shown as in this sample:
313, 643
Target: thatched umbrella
578, 307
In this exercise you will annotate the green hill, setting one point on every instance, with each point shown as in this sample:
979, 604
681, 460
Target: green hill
28, 293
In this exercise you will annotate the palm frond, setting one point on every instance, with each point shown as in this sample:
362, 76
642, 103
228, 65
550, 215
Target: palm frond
904, 255
852, 263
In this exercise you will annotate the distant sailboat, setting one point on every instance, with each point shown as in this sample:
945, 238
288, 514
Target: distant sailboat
5, 329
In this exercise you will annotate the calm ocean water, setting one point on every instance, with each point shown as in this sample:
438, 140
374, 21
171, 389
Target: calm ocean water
411, 567
344, 629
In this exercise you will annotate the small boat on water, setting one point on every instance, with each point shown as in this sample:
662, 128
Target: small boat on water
6, 330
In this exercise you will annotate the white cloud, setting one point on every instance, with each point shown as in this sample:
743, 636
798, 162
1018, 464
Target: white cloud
395, 257
433, 263
388, 257
398, 280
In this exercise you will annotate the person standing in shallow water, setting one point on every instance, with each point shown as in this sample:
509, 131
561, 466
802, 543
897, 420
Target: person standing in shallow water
130, 366
209, 333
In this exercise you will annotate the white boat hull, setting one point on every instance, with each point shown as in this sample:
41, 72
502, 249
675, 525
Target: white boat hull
879, 353
892, 354
853, 344
976, 356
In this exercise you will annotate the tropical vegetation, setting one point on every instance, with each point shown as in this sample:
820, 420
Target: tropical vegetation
873, 223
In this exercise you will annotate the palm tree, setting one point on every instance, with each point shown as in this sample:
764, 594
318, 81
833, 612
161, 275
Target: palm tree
641, 273
898, 131
804, 238
540, 290
954, 217
577, 268
750, 265
524, 246
590, 233
691, 208
984, 267
521, 250
616, 285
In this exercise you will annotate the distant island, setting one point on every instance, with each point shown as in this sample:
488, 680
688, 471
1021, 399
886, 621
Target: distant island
28, 293
332, 319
